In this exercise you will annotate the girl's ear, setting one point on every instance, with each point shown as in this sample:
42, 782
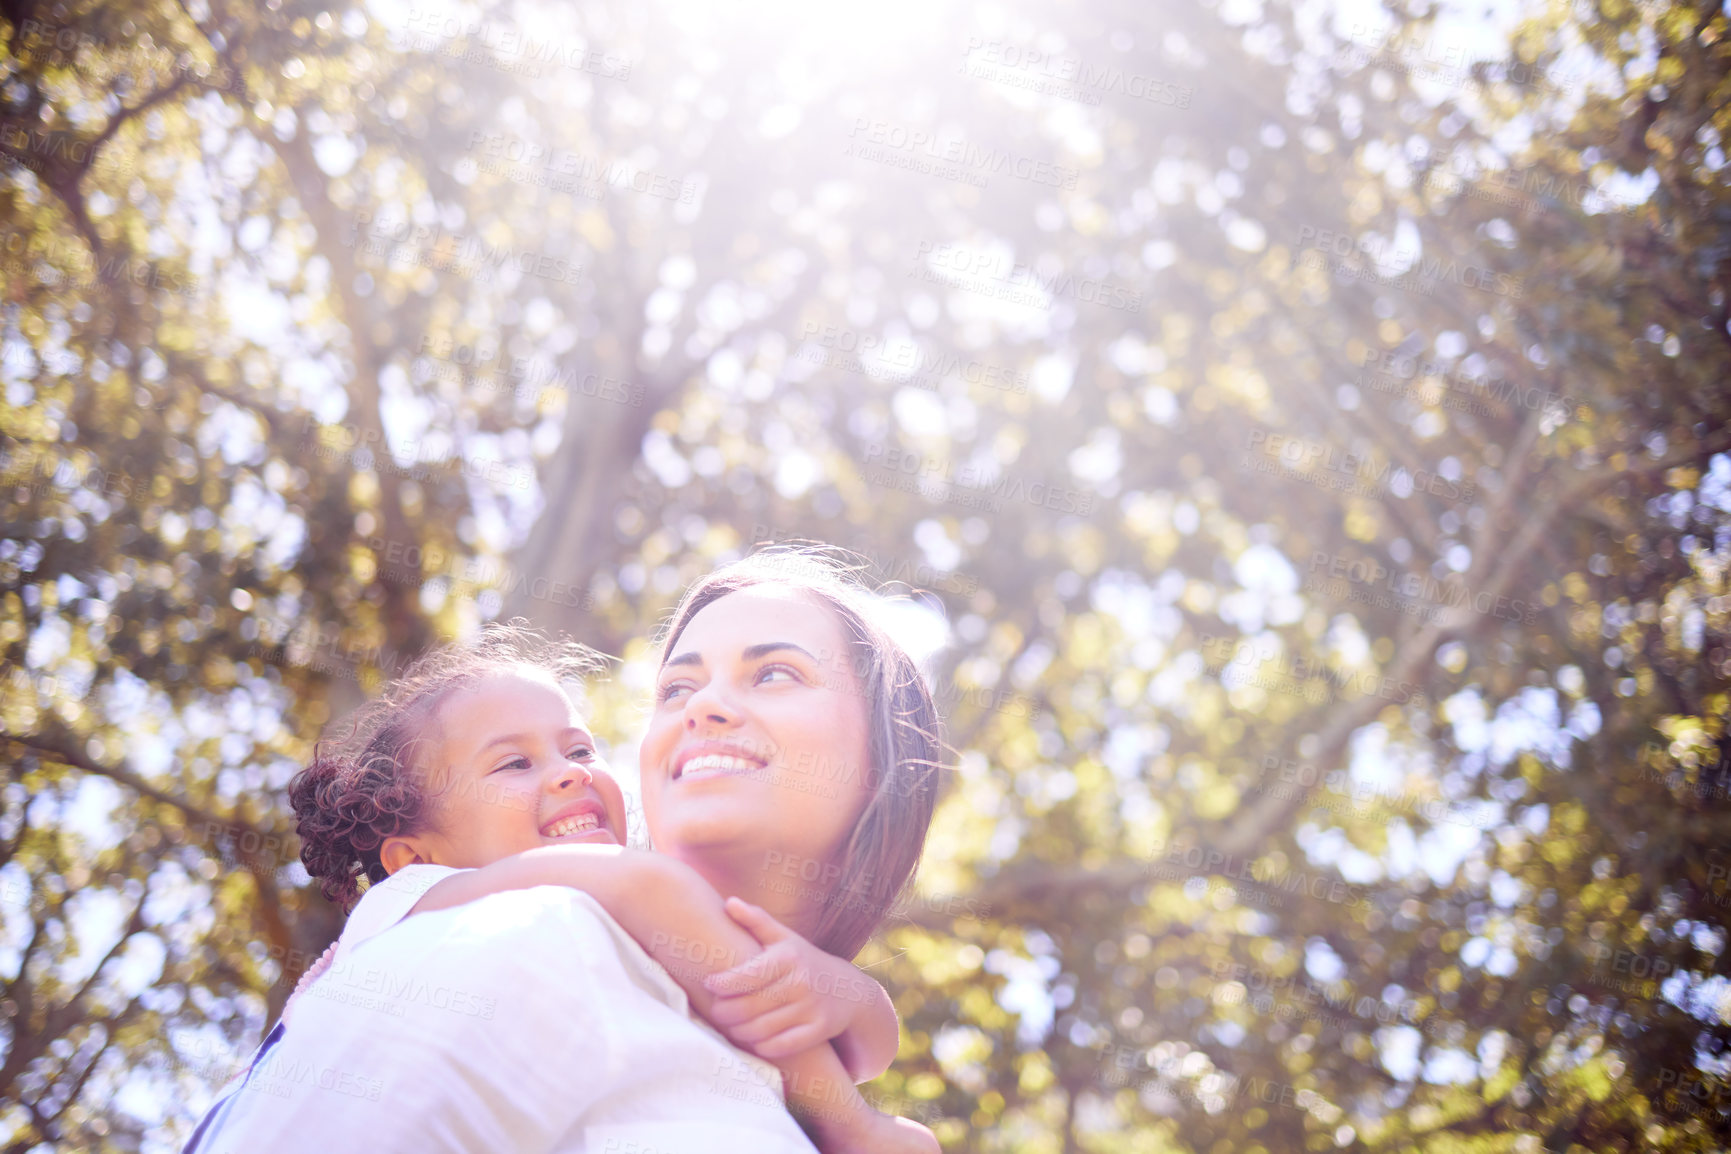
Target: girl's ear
398, 852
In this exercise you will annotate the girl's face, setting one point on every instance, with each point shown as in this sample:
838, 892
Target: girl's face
757, 745
512, 767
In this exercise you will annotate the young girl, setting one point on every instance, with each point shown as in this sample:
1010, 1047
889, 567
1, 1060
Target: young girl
474, 775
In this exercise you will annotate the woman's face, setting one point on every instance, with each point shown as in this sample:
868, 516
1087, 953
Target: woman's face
758, 742
511, 767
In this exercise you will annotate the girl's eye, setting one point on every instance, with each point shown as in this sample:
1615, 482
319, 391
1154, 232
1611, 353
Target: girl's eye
581, 753
514, 763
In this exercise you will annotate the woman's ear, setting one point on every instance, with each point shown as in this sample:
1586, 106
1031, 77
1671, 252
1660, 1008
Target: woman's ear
398, 852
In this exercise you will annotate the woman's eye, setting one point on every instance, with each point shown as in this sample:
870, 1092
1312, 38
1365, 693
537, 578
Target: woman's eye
770, 671
668, 692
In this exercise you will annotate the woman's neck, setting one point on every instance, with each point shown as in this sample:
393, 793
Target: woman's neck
765, 880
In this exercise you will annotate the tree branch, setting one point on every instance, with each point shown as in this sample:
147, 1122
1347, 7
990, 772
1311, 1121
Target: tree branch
1255, 822
271, 417
71, 1012
400, 610
64, 753
1270, 809
118, 121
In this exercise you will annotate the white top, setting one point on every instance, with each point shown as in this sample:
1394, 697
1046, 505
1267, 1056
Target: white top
522, 1023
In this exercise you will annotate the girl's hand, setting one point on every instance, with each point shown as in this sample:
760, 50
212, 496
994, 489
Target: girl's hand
847, 1124
905, 1136
789, 998
878, 1134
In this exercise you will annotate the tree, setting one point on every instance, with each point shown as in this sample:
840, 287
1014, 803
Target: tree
1316, 445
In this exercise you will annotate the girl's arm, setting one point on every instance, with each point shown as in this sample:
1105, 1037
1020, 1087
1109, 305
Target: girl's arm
794, 995
679, 919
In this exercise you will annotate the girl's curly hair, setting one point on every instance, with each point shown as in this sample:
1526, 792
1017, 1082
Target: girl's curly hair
373, 783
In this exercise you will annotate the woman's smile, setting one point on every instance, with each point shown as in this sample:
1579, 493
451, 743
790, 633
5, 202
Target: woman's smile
709, 758
747, 719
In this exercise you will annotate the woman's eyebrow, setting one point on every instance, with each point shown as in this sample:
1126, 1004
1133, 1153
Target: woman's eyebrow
749, 653
753, 652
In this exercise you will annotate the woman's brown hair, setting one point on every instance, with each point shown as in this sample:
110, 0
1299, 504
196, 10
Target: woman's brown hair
905, 743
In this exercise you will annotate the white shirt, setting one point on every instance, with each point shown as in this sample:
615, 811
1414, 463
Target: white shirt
522, 1023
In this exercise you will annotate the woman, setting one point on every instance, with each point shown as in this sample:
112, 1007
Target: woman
776, 660
790, 739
